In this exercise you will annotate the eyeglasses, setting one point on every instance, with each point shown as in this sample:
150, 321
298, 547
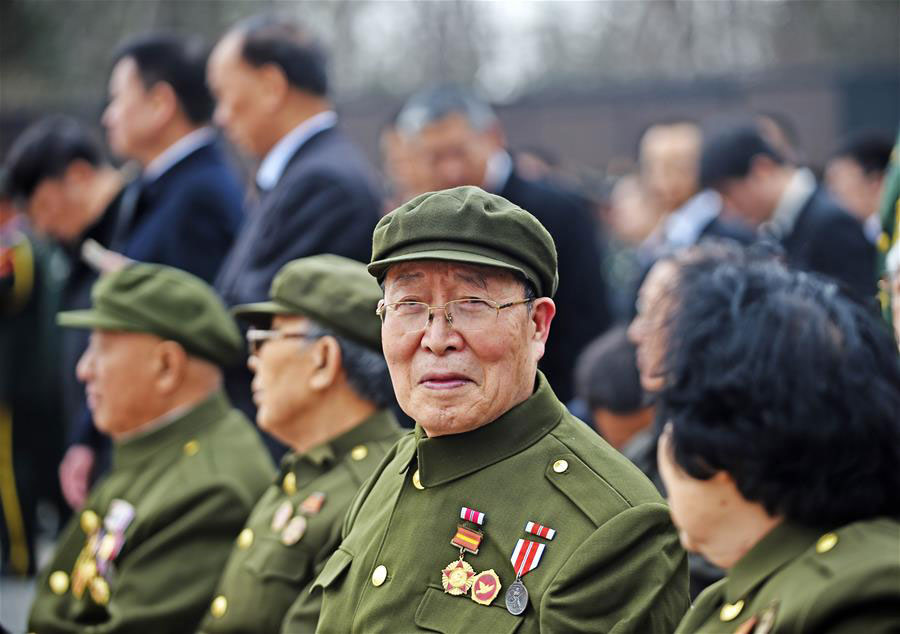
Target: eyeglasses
256, 338
469, 315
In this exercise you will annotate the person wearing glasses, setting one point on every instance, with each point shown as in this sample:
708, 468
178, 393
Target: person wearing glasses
322, 388
500, 511
144, 552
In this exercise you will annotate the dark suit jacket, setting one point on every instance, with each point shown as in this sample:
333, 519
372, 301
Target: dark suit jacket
828, 240
326, 201
582, 311
189, 217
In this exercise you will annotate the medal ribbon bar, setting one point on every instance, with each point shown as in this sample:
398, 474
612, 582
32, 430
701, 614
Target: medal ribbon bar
540, 530
471, 515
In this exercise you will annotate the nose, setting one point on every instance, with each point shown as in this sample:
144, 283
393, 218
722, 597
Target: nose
634, 331
440, 336
84, 369
253, 363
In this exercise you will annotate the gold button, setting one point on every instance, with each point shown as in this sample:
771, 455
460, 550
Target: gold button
245, 539
90, 522
826, 542
219, 607
416, 482
100, 591
379, 576
359, 452
59, 582
560, 466
191, 448
884, 242
289, 484
730, 611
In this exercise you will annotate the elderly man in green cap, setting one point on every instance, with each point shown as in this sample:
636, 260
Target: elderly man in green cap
146, 550
322, 388
500, 512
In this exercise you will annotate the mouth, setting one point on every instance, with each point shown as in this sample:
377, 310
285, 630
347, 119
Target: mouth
92, 399
444, 380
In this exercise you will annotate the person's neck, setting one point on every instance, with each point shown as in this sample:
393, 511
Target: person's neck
168, 136
108, 182
751, 525
296, 110
332, 418
168, 410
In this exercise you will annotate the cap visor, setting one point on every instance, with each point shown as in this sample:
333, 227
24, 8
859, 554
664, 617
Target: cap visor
92, 319
260, 311
379, 267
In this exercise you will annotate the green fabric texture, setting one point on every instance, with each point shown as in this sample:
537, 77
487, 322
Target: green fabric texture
786, 582
466, 224
334, 291
191, 485
263, 578
166, 302
614, 565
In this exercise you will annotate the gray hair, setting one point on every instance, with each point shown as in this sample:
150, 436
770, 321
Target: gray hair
367, 371
433, 104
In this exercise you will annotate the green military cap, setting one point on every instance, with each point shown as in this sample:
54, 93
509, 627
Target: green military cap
466, 224
165, 302
334, 291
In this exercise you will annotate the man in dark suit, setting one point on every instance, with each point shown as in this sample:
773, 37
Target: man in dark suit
784, 203
188, 210
316, 192
462, 143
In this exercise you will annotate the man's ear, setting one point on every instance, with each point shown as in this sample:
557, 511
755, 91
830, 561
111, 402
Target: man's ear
328, 363
165, 102
273, 85
542, 312
170, 363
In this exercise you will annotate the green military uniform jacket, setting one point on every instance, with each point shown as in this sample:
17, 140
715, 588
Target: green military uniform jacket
294, 528
614, 563
798, 580
145, 553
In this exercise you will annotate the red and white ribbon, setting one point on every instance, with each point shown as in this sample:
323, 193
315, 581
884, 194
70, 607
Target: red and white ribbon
471, 515
526, 556
540, 530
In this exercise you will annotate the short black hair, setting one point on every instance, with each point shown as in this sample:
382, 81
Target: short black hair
271, 39
45, 150
871, 150
792, 388
606, 374
729, 152
176, 60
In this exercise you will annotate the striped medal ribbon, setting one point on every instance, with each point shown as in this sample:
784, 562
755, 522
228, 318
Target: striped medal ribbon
525, 557
540, 530
458, 576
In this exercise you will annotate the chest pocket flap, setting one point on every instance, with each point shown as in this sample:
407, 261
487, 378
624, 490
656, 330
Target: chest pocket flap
334, 568
278, 562
441, 612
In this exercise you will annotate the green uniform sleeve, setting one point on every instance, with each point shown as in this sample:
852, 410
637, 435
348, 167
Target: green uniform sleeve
149, 593
630, 575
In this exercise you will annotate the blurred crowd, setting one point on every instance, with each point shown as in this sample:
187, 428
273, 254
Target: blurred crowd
230, 162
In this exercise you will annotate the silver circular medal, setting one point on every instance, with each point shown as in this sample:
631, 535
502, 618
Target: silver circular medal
516, 598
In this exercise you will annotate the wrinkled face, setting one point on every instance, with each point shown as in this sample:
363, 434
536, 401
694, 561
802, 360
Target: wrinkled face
132, 117
118, 389
241, 109
703, 511
450, 381
648, 328
858, 192
454, 153
281, 370
670, 157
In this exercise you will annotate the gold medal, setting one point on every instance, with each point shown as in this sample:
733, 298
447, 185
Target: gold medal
485, 587
100, 591
282, 515
457, 577
293, 531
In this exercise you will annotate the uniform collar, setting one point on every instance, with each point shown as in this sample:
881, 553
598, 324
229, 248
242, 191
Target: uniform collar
447, 458
781, 545
378, 426
175, 432
800, 188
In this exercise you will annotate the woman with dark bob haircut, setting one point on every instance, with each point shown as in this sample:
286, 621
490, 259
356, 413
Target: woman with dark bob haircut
781, 450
